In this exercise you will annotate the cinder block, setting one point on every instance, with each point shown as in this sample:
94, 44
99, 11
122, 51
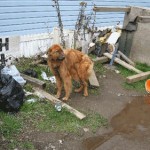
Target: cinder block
140, 51
136, 44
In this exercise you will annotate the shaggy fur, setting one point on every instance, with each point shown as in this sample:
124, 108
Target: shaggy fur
67, 65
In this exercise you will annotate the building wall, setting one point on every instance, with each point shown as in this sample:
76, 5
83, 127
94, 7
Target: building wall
22, 17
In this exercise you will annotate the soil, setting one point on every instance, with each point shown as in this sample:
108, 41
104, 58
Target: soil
127, 111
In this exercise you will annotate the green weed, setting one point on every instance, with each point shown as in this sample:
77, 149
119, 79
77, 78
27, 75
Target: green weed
26, 145
98, 68
9, 124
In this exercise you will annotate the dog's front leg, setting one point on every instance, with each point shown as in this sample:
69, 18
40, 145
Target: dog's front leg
59, 85
67, 87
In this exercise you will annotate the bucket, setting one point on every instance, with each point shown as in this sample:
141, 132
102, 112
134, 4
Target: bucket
147, 85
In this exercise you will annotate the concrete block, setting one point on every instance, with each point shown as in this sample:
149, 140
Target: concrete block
134, 12
136, 44
140, 51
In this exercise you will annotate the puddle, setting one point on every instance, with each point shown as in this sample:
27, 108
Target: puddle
133, 120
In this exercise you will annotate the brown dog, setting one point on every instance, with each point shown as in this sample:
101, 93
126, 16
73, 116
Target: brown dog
67, 65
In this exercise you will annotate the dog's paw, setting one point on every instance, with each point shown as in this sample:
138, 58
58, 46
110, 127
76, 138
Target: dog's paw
57, 96
85, 94
77, 90
65, 98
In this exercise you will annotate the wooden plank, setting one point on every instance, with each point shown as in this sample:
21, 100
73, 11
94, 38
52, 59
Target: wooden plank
93, 80
126, 58
111, 9
34, 81
137, 77
54, 100
122, 63
102, 59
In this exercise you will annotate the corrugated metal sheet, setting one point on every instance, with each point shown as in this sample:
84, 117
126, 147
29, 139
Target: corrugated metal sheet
37, 16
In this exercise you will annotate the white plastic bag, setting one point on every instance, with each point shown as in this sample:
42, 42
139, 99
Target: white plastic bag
12, 70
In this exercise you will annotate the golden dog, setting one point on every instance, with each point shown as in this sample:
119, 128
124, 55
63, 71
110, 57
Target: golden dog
67, 65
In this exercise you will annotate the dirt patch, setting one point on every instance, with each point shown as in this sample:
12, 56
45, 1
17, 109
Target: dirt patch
111, 98
133, 121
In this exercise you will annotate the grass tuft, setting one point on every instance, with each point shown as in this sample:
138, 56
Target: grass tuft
9, 124
64, 121
22, 145
43, 116
98, 68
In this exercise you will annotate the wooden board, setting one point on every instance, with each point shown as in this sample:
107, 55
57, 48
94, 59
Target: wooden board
34, 81
93, 80
111, 9
54, 100
122, 63
102, 59
137, 77
126, 58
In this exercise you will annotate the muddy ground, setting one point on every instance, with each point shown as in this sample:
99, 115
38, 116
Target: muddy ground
127, 111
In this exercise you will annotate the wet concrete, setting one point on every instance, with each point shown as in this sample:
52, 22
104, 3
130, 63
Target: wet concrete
133, 122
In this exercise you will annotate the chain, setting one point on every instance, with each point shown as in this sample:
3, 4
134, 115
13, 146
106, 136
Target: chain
59, 22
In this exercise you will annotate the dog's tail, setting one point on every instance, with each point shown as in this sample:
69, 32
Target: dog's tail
90, 69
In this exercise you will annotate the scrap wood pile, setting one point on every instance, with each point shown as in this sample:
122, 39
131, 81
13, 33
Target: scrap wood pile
106, 47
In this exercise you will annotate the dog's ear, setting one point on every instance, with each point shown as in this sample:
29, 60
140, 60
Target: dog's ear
60, 47
57, 47
48, 50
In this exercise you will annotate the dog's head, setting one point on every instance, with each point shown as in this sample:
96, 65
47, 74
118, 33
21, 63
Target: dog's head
55, 53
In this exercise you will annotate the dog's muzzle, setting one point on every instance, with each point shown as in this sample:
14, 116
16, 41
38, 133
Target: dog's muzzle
61, 58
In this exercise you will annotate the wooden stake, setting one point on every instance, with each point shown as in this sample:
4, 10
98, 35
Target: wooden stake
126, 58
54, 100
102, 59
122, 63
137, 77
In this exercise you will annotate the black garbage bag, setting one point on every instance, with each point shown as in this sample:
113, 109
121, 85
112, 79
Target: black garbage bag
11, 94
31, 72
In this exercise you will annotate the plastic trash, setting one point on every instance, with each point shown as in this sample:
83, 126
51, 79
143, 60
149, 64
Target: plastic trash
20, 80
12, 71
11, 93
32, 100
52, 78
58, 106
44, 76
